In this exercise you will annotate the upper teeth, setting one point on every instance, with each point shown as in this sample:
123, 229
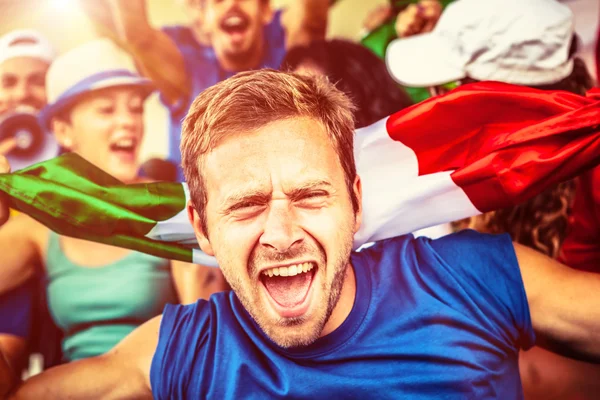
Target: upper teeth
125, 142
233, 21
291, 270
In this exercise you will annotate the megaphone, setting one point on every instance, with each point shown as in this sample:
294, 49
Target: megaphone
32, 143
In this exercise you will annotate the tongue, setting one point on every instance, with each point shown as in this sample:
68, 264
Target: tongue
288, 291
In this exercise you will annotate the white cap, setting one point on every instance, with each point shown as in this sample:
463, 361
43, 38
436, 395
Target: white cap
92, 66
523, 42
25, 43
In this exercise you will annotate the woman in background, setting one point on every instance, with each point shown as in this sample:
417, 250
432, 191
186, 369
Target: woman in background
97, 294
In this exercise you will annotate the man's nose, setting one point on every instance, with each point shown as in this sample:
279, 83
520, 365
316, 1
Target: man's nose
281, 230
22, 92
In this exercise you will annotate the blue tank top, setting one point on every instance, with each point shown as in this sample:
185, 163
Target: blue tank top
204, 71
432, 319
97, 307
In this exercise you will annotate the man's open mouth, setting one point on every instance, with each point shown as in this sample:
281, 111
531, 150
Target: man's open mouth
289, 287
235, 23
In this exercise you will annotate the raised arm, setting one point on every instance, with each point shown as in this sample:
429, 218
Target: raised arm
194, 281
305, 21
564, 305
157, 56
122, 373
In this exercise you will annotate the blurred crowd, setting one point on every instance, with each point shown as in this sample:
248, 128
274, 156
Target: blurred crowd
69, 299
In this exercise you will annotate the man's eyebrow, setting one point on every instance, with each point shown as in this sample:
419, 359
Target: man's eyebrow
257, 196
308, 186
245, 195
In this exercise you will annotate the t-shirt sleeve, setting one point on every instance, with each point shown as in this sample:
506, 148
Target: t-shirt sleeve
485, 270
16, 311
182, 327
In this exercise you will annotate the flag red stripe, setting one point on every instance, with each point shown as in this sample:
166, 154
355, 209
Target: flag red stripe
515, 142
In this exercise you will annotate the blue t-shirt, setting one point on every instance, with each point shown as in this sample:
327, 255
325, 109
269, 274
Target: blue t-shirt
204, 71
16, 308
432, 319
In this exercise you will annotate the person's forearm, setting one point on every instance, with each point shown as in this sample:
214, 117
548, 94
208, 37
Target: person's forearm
564, 305
158, 58
305, 21
577, 333
122, 373
92, 378
316, 12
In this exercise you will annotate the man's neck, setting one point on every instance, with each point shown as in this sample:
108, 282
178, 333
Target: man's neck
345, 303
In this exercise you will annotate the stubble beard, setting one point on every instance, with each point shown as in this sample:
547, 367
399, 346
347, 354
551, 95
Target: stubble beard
300, 331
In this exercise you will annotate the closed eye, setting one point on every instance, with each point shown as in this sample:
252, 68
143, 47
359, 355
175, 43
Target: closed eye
242, 206
245, 209
312, 195
312, 198
107, 110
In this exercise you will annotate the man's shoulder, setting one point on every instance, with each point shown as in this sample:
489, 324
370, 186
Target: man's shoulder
187, 339
184, 325
188, 319
463, 246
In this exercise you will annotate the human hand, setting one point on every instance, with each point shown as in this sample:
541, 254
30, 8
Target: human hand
101, 16
418, 18
377, 17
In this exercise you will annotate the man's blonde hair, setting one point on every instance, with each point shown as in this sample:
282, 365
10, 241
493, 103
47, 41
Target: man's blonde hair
253, 99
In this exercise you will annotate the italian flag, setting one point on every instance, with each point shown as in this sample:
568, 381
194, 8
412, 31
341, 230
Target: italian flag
481, 147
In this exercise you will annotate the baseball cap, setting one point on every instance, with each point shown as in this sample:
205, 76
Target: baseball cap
522, 42
95, 65
25, 43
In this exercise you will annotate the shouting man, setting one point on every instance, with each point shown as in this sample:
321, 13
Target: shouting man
276, 199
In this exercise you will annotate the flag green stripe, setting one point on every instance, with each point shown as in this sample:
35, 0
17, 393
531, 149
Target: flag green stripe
153, 201
74, 198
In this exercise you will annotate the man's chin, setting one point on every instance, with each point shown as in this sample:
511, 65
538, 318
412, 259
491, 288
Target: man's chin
238, 53
293, 333
291, 326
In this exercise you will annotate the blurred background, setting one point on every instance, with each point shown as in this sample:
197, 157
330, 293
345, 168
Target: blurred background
66, 26
385, 54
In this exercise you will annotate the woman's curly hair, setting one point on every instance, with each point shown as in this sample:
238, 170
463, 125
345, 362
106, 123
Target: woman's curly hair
540, 223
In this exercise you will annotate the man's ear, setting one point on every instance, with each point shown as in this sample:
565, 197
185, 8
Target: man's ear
267, 13
201, 236
357, 187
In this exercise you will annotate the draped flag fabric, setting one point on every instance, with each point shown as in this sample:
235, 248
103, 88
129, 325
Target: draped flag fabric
478, 148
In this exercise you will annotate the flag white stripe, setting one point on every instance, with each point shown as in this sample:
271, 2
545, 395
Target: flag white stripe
396, 200
176, 229
200, 257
